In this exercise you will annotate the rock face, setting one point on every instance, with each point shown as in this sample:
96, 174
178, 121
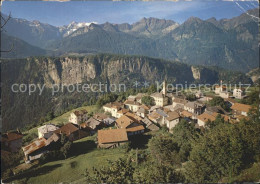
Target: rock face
195, 73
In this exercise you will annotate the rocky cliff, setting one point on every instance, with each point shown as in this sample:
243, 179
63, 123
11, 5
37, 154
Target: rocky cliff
20, 109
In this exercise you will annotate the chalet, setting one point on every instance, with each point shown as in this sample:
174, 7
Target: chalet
150, 125
12, 141
78, 117
194, 107
172, 120
132, 105
112, 138
131, 124
35, 149
94, 124
113, 108
39, 147
239, 93
72, 131
240, 109
46, 130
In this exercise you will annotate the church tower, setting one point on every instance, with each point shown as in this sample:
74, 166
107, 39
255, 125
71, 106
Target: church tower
164, 90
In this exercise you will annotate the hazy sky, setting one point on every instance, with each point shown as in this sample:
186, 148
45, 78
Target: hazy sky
57, 13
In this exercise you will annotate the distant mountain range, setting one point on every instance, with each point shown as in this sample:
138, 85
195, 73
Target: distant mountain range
227, 43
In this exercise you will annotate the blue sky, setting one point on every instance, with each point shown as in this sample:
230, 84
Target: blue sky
62, 13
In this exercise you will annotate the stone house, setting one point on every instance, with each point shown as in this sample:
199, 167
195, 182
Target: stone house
172, 120
113, 108
132, 105
46, 130
194, 107
77, 117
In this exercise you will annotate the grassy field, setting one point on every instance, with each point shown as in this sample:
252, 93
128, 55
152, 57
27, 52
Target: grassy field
85, 155
63, 118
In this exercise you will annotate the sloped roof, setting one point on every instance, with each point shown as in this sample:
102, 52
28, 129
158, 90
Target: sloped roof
67, 129
136, 128
116, 105
172, 116
100, 116
112, 136
185, 113
47, 128
241, 107
35, 145
157, 95
11, 136
92, 123
207, 117
180, 101
80, 112
123, 111
128, 102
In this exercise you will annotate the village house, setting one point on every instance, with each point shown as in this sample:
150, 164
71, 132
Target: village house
93, 124
156, 118
194, 107
150, 125
46, 130
78, 117
142, 111
224, 94
35, 149
239, 93
72, 131
179, 101
161, 98
188, 115
131, 124
211, 116
112, 138
110, 121
205, 117
100, 116
121, 112
221, 88
39, 147
172, 120
240, 109
113, 108
139, 97
12, 141
132, 105
205, 99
